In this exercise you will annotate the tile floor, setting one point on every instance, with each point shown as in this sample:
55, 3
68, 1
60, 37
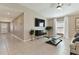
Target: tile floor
12, 46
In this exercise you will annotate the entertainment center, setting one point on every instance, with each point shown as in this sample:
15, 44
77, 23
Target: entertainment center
39, 23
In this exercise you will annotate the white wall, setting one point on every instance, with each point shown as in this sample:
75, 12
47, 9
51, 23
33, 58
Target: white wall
18, 26
29, 23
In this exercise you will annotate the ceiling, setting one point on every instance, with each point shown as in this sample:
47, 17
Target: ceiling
8, 13
49, 10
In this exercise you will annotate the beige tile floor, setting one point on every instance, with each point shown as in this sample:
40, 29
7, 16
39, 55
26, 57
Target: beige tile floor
12, 46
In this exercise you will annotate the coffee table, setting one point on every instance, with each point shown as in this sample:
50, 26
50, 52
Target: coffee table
54, 40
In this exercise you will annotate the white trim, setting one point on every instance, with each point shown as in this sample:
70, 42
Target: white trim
66, 30
20, 38
17, 37
54, 27
27, 40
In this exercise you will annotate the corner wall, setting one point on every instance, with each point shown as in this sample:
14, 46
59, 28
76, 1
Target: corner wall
50, 22
18, 26
29, 23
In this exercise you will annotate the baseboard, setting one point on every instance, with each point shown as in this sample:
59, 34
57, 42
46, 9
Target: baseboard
17, 37
27, 40
20, 38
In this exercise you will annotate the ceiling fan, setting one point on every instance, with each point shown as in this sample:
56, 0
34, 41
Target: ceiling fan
60, 5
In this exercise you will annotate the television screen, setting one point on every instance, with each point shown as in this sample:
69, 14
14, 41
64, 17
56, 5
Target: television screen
39, 22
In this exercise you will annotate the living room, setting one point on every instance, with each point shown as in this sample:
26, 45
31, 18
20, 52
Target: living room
38, 28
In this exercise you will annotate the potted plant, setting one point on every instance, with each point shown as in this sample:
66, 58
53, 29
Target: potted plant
48, 29
32, 32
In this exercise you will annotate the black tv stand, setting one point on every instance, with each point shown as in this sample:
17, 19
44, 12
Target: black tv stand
39, 32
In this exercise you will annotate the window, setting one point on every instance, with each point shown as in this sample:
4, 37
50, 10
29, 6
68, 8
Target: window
60, 26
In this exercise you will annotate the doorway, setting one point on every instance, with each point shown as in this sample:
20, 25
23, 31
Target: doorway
4, 27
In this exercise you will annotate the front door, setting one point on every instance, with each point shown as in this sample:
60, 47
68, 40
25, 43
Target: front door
4, 27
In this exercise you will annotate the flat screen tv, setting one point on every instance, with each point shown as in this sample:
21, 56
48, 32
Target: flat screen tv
39, 22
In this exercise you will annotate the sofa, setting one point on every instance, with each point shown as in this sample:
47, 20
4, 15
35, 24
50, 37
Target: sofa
74, 46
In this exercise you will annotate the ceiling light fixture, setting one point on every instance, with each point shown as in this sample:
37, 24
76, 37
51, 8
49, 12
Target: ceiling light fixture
8, 13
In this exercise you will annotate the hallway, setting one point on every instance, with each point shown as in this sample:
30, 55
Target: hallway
12, 46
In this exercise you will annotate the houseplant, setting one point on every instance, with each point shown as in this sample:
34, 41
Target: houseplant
48, 29
32, 32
